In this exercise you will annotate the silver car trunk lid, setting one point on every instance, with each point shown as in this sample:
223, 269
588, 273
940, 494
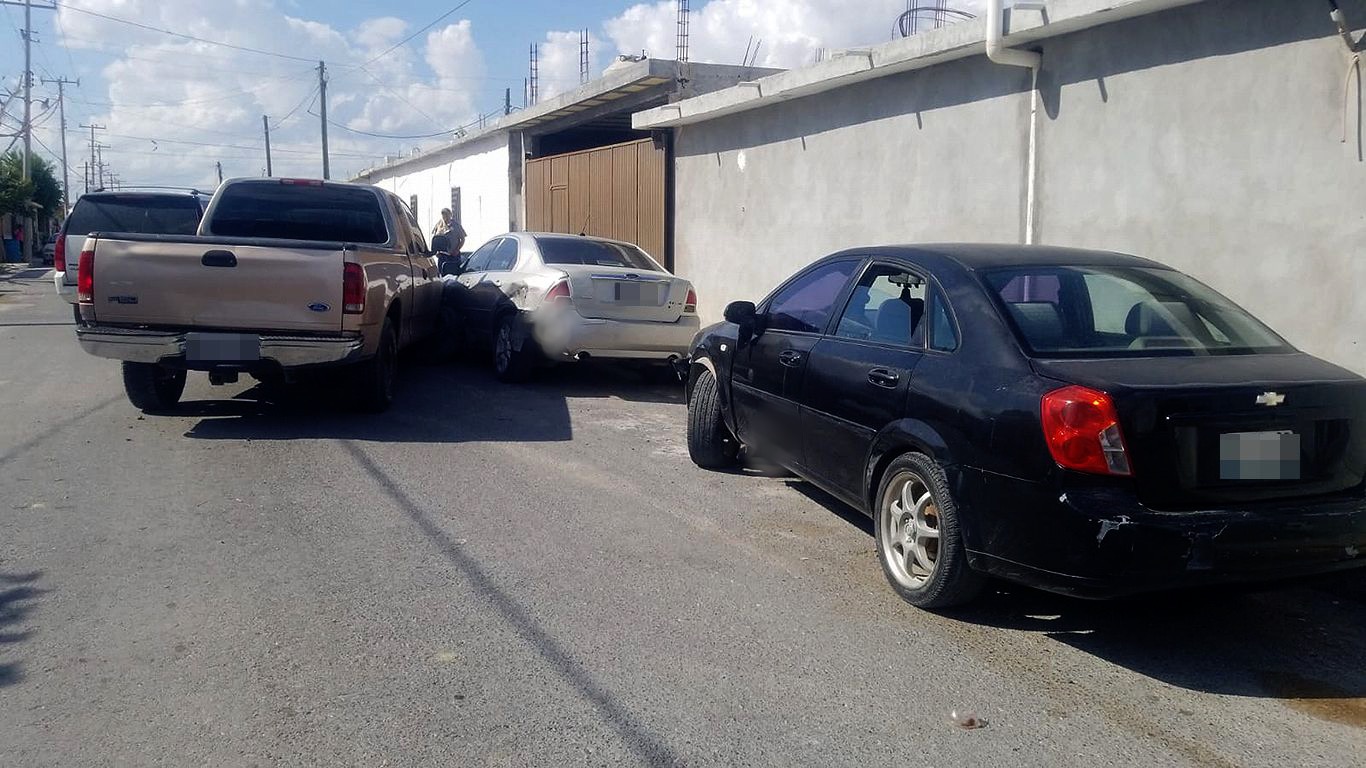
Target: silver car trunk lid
618, 293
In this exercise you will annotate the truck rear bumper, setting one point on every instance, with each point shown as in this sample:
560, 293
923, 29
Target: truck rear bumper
168, 347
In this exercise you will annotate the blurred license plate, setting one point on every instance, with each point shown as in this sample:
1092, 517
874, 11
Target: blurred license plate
636, 293
1259, 456
222, 347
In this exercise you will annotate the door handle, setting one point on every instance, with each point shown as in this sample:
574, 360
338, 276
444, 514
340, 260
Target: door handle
219, 259
791, 358
883, 378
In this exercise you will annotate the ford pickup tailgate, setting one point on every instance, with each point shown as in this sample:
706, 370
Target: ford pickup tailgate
217, 283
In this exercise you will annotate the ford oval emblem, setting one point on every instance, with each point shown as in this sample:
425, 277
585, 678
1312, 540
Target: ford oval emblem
318, 306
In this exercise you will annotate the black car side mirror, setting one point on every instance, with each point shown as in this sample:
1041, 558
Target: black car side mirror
450, 265
741, 312
441, 243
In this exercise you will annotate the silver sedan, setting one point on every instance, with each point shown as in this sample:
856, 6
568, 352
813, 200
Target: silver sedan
536, 297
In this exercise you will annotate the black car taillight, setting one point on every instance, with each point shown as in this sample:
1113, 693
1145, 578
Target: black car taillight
1082, 431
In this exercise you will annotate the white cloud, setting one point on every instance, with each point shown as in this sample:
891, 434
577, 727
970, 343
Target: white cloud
788, 32
219, 94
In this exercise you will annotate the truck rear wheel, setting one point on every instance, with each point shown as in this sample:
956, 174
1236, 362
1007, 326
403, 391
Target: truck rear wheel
376, 377
152, 388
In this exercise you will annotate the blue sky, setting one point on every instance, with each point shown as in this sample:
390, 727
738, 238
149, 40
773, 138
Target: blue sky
175, 107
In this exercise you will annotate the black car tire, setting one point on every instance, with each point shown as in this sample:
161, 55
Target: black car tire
511, 365
952, 581
76, 314
376, 377
710, 443
152, 388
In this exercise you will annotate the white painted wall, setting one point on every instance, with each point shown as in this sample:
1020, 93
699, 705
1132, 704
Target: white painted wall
479, 168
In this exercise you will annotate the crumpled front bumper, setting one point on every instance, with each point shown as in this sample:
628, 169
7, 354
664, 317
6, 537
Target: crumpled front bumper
168, 347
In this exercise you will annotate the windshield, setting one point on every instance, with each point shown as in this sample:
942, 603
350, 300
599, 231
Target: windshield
1124, 311
299, 212
569, 250
141, 214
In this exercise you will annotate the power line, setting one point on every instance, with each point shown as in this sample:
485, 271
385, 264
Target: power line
182, 35
450, 132
312, 93
410, 38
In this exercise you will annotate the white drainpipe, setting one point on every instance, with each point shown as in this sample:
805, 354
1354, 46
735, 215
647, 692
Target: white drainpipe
999, 53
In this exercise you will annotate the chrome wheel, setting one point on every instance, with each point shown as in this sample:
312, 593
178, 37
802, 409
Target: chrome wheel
909, 523
502, 348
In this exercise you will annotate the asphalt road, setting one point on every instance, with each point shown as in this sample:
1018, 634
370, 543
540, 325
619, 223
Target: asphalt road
537, 575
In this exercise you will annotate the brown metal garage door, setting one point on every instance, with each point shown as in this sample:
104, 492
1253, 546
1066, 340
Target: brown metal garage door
615, 192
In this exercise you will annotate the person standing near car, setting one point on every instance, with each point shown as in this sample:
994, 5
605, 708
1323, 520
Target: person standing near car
451, 228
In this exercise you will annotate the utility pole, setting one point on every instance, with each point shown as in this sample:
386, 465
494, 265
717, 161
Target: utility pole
507, 101
99, 153
322, 100
219, 166
89, 176
265, 123
61, 114
27, 34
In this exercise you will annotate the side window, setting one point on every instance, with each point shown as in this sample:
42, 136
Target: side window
416, 242
504, 256
806, 303
479, 260
942, 335
887, 306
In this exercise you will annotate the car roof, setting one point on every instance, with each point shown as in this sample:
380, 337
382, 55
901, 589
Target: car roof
109, 193
565, 236
982, 256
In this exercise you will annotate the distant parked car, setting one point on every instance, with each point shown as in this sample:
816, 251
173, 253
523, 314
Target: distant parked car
143, 212
536, 298
1088, 423
49, 249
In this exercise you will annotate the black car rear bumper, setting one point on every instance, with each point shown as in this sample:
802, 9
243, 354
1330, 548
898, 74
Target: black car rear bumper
1098, 541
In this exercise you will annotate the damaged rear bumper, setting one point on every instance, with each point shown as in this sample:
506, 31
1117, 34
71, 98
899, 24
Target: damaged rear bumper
1099, 541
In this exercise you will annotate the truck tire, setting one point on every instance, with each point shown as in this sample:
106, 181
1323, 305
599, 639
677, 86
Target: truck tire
510, 364
710, 443
375, 378
152, 388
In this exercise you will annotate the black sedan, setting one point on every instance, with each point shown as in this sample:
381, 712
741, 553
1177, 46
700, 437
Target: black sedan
1089, 423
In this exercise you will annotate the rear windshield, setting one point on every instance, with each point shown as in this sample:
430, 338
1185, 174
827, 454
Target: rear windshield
1124, 312
569, 250
141, 214
299, 212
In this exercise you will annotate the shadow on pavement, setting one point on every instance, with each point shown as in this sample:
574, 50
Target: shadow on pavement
637, 736
434, 404
17, 594
1297, 642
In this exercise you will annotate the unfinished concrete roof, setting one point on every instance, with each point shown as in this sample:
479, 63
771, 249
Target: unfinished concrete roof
926, 49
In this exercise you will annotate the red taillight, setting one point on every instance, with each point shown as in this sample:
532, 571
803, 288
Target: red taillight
85, 274
353, 288
559, 292
690, 303
1082, 431
59, 254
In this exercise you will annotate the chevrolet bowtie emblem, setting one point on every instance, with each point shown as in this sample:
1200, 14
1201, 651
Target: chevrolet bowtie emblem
1270, 398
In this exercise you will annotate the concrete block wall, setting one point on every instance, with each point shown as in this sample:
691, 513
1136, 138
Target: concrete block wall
1208, 137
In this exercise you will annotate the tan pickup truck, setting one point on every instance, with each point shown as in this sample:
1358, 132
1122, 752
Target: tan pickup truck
284, 275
